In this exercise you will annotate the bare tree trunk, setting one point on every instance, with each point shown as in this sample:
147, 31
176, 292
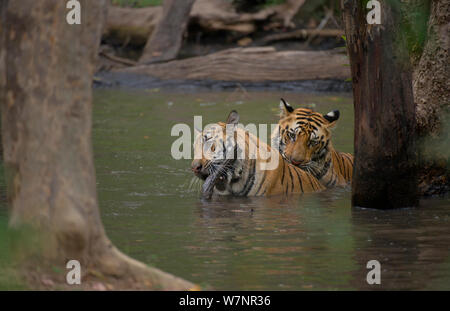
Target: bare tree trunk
3, 5
46, 124
432, 98
130, 26
166, 40
432, 73
385, 173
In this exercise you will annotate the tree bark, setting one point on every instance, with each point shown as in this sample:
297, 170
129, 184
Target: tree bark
432, 73
46, 124
252, 64
431, 87
166, 40
130, 26
385, 172
135, 25
3, 5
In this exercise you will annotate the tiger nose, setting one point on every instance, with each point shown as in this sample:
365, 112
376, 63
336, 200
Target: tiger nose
295, 162
196, 166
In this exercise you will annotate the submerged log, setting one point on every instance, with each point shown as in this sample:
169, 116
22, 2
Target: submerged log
253, 65
385, 172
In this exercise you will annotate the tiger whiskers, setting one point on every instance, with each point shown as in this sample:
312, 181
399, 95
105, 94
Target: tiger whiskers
194, 184
311, 167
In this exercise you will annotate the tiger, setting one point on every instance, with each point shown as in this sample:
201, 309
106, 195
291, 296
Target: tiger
246, 173
303, 138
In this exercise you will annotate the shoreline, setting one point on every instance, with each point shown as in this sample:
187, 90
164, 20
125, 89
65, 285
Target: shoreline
126, 80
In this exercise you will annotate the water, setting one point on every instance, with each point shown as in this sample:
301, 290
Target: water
304, 242
308, 242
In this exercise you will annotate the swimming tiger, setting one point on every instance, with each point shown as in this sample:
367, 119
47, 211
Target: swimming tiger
247, 167
304, 139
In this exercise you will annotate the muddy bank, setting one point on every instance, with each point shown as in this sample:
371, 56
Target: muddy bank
141, 81
262, 68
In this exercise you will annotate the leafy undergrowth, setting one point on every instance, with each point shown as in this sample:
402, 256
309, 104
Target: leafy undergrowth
137, 3
9, 278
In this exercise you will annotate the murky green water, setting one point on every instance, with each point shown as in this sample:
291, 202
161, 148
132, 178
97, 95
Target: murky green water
309, 242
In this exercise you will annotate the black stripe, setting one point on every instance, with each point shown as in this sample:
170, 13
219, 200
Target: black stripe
332, 181
302, 113
315, 122
309, 124
250, 181
292, 179
347, 165
341, 165
344, 163
224, 150
262, 182
299, 179
317, 118
310, 180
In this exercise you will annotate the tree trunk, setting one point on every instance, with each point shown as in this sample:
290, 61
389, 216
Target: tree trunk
432, 98
130, 26
432, 73
166, 40
385, 173
3, 5
46, 124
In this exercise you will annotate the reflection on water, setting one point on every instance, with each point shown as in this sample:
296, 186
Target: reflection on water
307, 242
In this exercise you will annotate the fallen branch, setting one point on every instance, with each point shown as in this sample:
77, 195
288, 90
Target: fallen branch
252, 65
135, 25
117, 59
302, 33
129, 25
322, 25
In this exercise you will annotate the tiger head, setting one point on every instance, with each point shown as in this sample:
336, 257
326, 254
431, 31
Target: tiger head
304, 135
215, 149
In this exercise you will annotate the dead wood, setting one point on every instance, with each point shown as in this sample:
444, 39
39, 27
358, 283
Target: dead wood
253, 65
130, 26
301, 34
135, 25
165, 42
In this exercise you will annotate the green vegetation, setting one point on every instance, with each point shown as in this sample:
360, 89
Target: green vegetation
137, 3
273, 2
8, 277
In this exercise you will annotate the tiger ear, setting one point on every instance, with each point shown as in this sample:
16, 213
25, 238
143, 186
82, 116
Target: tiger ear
285, 108
233, 118
332, 117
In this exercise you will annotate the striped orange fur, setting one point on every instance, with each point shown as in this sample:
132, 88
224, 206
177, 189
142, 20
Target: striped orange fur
303, 138
262, 173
